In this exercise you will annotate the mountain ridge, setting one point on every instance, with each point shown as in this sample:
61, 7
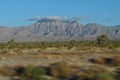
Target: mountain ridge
57, 30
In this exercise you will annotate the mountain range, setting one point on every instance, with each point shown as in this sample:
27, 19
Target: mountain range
57, 30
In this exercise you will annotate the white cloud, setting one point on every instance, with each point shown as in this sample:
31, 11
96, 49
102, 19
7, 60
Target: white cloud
58, 18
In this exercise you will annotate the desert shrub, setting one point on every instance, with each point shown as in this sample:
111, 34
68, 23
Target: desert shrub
100, 60
103, 76
61, 69
33, 73
116, 61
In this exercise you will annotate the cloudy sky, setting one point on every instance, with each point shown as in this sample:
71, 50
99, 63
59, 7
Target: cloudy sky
18, 12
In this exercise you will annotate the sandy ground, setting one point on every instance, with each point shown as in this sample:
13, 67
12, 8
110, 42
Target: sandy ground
44, 59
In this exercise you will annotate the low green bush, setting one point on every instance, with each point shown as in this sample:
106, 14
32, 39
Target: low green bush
33, 73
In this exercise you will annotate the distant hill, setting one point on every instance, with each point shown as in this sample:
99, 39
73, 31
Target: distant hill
56, 30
